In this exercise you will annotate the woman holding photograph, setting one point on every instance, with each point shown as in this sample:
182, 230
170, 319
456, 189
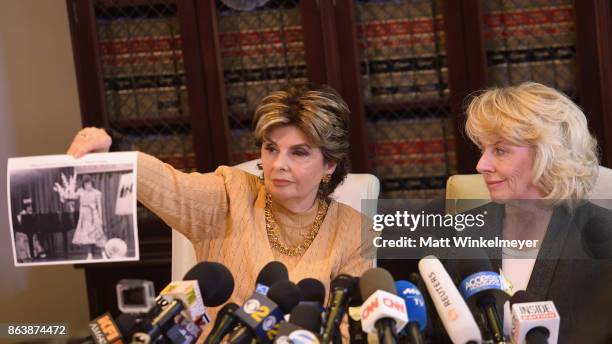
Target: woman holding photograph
89, 230
244, 222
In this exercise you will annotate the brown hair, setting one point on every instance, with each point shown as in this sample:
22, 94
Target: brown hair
320, 113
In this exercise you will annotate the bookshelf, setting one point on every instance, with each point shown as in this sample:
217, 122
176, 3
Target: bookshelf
180, 79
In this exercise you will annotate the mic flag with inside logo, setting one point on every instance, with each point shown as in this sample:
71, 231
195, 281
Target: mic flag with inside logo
125, 195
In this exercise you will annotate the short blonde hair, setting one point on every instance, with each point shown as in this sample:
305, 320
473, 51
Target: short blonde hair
320, 113
566, 155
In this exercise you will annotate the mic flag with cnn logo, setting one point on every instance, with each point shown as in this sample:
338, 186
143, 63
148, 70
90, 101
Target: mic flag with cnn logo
383, 304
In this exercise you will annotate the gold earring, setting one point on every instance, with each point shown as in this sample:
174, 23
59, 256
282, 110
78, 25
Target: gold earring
326, 179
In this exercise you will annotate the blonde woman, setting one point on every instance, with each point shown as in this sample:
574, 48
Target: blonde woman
540, 162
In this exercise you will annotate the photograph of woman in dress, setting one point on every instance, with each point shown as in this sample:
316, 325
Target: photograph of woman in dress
89, 230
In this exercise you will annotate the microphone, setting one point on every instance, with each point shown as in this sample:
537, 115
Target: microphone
382, 309
103, 329
170, 325
313, 291
597, 237
215, 280
225, 322
482, 287
452, 309
185, 299
533, 322
341, 288
417, 313
356, 334
261, 316
303, 326
273, 272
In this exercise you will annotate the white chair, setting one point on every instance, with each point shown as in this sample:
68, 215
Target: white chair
356, 187
471, 187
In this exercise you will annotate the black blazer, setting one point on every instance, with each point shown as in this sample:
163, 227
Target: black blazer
565, 272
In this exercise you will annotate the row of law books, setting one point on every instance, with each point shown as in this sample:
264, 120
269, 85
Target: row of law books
402, 51
411, 148
142, 62
261, 51
147, 97
527, 41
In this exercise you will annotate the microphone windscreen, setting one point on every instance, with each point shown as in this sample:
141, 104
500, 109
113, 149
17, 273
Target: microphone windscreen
271, 273
312, 290
307, 317
285, 294
215, 280
376, 279
355, 299
343, 281
522, 296
228, 308
415, 302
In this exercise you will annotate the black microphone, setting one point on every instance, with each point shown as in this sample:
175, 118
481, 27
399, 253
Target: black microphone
270, 274
356, 334
482, 287
341, 288
225, 322
307, 317
382, 310
286, 294
273, 272
260, 316
303, 326
313, 291
215, 280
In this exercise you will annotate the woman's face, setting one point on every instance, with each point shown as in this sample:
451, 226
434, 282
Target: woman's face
88, 186
293, 167
507, 169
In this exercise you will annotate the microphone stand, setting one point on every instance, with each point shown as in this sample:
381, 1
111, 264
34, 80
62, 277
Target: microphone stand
386, 331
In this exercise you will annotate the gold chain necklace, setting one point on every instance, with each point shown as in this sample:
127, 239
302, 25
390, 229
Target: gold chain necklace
274, 238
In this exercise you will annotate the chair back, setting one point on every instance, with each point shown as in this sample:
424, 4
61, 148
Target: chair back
472, 191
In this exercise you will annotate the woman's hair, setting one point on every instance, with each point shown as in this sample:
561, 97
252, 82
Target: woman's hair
322, 116
566, 155
87, 179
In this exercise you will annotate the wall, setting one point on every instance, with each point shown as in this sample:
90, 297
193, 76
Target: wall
39, 114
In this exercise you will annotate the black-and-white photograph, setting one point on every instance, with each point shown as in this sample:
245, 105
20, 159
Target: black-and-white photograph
64, 210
